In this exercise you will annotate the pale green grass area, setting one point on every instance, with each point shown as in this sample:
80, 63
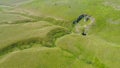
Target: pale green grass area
36, 58
13, 2
112, 34
27, 35
17, 32
29, 30
0, 9
69, 10
106, 52
10, 18
113, 4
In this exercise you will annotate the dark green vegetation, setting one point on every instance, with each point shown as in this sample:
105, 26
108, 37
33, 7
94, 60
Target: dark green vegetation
40, 34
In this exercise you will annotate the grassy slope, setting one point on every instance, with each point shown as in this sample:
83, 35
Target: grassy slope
22, 31
33, 58
9, 18
70, 10
103, 51
12, 2
75, 51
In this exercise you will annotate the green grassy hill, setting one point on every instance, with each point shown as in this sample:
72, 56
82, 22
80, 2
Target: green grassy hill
40, 34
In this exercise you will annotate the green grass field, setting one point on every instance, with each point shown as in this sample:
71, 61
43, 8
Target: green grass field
40, 34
